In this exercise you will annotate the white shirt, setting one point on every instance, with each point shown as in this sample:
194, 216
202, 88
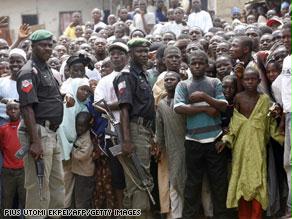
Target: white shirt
138, 23
286, 84
201, 19
99, 25
8, 91
105, 90
276, 89
173, 27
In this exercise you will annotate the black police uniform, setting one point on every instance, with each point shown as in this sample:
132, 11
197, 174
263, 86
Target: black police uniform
132, 88
36, 85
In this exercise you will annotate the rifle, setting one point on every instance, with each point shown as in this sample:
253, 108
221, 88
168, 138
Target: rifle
40, 170
116, 150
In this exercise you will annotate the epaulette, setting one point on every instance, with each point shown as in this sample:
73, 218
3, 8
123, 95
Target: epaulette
34, 70
126, 70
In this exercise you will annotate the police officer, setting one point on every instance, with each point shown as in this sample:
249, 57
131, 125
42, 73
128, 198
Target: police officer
136, 104
42, 112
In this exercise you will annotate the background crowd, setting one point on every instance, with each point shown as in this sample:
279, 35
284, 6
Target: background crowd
241, 71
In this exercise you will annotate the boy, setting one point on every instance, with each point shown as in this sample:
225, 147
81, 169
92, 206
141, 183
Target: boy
248, 183
13, 169
200, 98
223, 67
170, 132
82, 162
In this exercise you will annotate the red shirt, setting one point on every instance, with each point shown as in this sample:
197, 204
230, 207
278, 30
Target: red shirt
9, 144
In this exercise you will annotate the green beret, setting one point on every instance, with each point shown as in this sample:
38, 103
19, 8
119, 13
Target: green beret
40, 35
136, 42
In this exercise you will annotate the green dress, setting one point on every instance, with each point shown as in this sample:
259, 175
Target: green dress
248, 138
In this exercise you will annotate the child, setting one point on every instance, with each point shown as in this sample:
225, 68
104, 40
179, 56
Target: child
229, 91
248, 135
4, 69
13, 169
200, 98
80, 90
223, 67
211, 70
82, 162
273, 70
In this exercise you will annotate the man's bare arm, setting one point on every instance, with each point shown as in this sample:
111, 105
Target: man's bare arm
35, 146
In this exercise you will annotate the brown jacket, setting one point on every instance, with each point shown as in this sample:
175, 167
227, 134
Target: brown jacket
82, 162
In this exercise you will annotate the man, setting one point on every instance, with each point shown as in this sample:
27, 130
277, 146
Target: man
8, 91
137, 115
144, 20
199, 18
172, 62
170, 132
286, 100
266, 42
177, 25
254, 33
123, 14
42, 112
99, 48
241, 52
118, 52
70, 30
96, 16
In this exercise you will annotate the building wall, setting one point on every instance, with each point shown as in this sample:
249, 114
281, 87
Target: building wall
47, 10
223, 7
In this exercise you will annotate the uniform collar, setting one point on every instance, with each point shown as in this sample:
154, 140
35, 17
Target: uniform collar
39, 64
136, 68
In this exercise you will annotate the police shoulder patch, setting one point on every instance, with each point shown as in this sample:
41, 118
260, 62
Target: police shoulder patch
26, 85
122, 87
34, 70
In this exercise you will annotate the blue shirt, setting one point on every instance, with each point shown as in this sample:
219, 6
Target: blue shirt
200, 127
100, 123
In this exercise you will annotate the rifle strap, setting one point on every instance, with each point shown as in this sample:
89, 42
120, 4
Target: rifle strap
128, 172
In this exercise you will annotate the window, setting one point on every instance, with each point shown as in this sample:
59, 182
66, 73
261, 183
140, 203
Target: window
31, 19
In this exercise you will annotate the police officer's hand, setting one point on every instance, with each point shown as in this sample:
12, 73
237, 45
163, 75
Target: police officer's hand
127, 148
36, 150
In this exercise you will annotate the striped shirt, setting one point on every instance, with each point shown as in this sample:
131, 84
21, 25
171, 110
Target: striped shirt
200, 127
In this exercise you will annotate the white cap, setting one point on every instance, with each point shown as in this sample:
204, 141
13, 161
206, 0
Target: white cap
119, 45
18, 51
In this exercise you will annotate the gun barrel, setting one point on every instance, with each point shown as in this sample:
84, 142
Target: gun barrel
40, 172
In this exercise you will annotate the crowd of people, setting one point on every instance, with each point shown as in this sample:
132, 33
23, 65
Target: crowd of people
201, 108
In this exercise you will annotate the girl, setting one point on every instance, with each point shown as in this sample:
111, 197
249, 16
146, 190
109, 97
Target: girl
80, 91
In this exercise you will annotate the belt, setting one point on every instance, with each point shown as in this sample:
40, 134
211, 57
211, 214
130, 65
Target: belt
53, 127
142, 121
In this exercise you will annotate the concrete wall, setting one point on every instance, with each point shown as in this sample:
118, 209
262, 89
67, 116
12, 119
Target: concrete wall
47, 10
223, 7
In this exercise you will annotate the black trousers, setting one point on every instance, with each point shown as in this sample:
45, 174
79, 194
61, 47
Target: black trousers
200, 158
